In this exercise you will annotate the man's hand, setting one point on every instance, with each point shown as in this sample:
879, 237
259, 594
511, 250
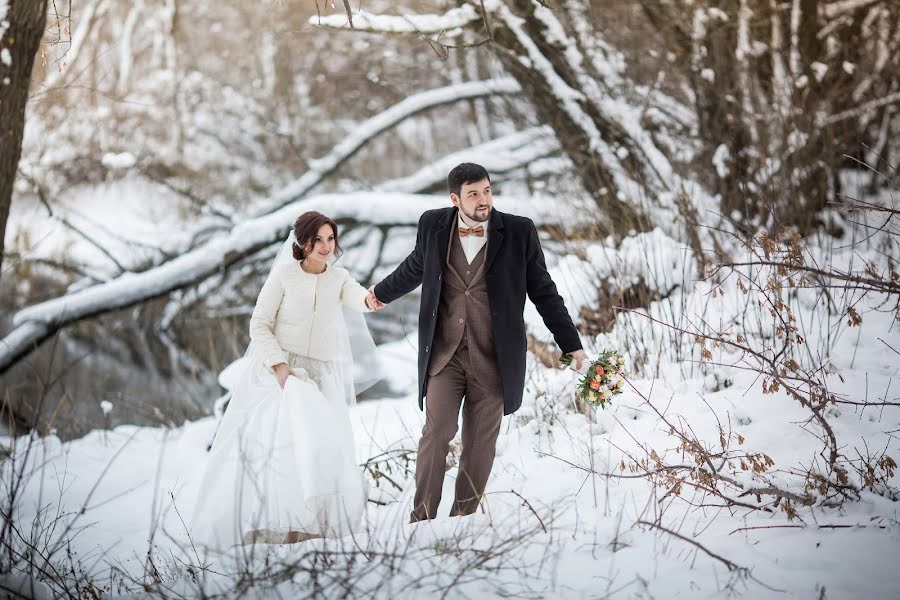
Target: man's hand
282, 372
578, 358
372, 301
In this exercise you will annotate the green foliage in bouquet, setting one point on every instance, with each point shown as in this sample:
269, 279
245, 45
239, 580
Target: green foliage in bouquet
604, 378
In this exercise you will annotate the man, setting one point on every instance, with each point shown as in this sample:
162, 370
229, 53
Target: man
475, 265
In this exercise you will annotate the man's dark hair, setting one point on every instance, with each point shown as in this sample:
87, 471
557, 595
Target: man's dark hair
465, 173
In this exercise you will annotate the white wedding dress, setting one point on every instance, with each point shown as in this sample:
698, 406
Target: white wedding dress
284, 460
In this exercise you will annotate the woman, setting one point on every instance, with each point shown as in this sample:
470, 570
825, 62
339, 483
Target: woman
283, 467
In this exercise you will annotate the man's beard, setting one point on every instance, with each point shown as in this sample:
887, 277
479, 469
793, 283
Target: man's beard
474, 216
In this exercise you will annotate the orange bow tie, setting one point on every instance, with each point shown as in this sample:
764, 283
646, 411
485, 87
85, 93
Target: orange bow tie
477, 231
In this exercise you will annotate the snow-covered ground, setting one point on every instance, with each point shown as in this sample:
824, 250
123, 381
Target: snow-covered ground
561, 518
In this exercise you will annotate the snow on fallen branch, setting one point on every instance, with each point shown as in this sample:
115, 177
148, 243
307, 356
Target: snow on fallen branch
321, 168
498, 156
36, 323
424, 24
838, 9
859, 110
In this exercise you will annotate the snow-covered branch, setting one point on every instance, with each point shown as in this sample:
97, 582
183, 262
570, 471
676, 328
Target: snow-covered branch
322, 167
90, 13
423, 24
742, 53
498, 156
836, 9
859, 110
36, 323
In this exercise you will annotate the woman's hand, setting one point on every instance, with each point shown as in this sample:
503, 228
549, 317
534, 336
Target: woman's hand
372, 301
282, 372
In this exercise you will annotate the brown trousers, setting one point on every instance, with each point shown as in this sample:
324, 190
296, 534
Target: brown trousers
482, 414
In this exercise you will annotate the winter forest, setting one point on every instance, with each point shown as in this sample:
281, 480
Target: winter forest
715, 188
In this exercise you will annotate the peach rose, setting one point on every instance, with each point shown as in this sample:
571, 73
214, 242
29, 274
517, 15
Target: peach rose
599, 369
595, 385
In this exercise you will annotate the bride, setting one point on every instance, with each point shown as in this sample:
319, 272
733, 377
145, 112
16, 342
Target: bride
282, 467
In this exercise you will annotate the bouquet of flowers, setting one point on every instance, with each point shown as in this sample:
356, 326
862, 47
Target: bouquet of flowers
604, 378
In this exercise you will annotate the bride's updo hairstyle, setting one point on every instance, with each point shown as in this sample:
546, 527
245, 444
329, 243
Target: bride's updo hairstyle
306, 227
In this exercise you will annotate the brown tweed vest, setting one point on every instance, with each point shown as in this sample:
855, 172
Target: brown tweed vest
464, 315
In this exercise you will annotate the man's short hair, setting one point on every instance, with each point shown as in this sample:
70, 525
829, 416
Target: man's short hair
465, 173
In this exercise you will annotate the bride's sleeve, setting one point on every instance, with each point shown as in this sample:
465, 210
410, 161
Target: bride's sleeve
262, 322
353, 294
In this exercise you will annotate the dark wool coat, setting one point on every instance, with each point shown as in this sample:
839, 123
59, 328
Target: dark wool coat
515, 266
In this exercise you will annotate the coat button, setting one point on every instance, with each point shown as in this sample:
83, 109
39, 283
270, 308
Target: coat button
461, 320
468, 293
427, 348
433, 313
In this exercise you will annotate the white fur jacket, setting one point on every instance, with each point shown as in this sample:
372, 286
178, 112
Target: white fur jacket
297, 312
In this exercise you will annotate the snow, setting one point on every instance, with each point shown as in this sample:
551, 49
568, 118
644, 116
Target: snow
551, 527
198, 263
76, 40
720, 160
819, 70
570, 100
122, 160
594, 541
835, 9
597, 539
415, 23
416, 103
131, 217
516, 150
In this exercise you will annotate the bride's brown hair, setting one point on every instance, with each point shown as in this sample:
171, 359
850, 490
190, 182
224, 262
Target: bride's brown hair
306, 228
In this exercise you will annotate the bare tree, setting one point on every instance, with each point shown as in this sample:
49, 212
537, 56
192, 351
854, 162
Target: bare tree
573, 80
783, 93
21, 29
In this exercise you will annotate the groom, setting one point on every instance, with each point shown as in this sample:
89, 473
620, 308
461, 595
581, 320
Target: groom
475, 265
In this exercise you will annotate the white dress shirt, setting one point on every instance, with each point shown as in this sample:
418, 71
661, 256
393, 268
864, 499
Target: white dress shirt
471, 244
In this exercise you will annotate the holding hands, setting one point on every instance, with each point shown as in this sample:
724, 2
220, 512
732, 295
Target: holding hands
372, 301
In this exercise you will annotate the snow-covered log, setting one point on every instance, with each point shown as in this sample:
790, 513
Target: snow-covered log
426, 24
36, 323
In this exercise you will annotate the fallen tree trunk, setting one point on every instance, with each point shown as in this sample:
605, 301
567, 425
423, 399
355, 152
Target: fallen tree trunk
35, 324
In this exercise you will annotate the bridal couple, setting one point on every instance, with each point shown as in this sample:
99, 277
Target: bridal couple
283, 466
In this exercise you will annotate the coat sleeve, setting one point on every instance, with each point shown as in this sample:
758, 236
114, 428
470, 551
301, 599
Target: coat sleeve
408, 275
546, 298
353, 294
262, 322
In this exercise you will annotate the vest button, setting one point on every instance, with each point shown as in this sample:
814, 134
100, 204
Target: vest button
461, 320
468, 272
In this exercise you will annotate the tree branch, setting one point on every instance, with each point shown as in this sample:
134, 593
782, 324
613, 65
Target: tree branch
407, 24
350, 145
